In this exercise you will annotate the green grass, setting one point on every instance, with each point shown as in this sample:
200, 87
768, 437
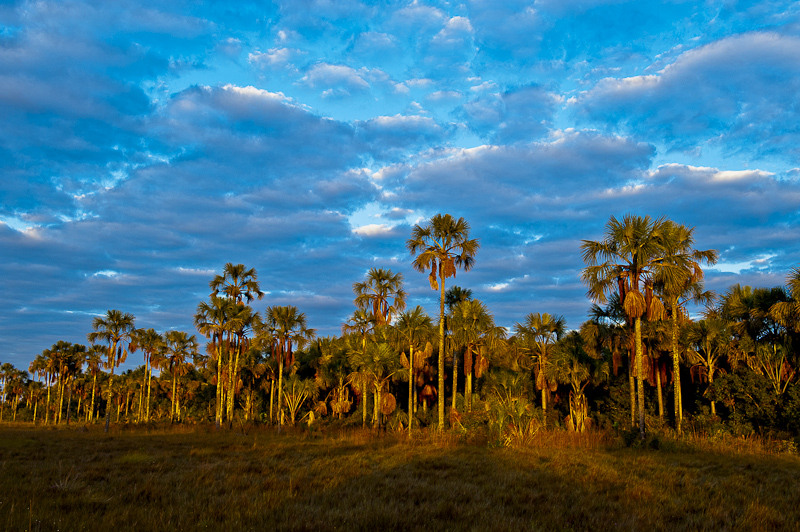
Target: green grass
193, 478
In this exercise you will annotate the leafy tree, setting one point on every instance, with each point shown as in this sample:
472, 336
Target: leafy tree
442, 246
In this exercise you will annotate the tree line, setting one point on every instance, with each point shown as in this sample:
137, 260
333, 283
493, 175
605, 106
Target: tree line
733, 368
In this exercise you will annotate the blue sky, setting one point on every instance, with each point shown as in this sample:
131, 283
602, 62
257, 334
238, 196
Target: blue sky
145, 144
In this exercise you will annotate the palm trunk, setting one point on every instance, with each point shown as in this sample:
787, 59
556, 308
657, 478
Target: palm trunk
147, 402
710, 382
174, 392
364, 400
60, 398
455, 378
69, 398
468, 391
640, 376
410, 388
631, 382
47, 406
280, 386
676, 370
112, 363
218, 409
91, 411
271, 400
658, 386
440, 400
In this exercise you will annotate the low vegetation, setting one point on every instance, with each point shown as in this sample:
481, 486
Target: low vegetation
167, 477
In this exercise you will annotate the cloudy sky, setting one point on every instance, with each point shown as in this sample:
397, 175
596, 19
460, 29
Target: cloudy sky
145, 144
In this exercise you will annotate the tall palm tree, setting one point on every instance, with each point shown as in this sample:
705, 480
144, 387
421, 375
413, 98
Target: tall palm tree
415, 329
381, 293
115, 329
678, 290
442, 246
150, 342
237, 282
290, 330
212, 321
179, 345
539, 333
633, 253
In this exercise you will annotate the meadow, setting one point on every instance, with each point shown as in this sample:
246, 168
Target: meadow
158, 477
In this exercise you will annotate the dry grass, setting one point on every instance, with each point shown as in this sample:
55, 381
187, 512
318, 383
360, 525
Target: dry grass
196, 478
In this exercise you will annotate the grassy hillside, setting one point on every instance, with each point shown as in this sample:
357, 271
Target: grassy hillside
196, 478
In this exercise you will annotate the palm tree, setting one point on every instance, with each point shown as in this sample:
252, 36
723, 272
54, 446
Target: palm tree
678, 290
539, 334
212, 321
633, 253
381, 293
237, 282
179, 345
415, 328
787, 313
473, 329
150, 342
442, 246
115, 329
455, 295
289, 330
710, 341
570, 364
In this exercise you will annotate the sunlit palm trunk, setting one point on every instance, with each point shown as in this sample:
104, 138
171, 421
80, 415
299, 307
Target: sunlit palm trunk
280, 387
410, 388
147, 402
676, 371
640, 376
173, 409
711, 370
218, 412
468, 390
455, 378
364, 400
94, 384
271, 400
112, 360
48, 381
658, 389
60, 398
632, 382
69, 397
441, 399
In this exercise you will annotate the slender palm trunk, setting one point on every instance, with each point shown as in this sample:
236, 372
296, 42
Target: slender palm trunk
147, 402
218, 416
632, 382
710, 382
676, 370
280, 386
658, 386
91, 409
364, 401
69, 397
441, 398
468, 390
172, 415
410, 388
544, 393
60, 398
455, 378
48, 380
112, 362
271, 400
640, 376
231, 373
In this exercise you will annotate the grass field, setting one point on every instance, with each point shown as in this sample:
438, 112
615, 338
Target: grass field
195, 478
